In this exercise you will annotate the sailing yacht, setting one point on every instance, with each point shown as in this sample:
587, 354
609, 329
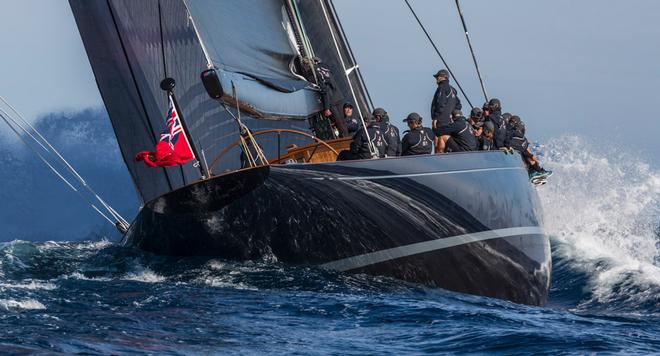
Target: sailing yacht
468, 222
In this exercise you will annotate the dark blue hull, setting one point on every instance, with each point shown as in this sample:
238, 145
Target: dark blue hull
467, 222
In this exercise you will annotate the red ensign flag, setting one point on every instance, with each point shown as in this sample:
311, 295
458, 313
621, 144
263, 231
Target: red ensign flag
173, 148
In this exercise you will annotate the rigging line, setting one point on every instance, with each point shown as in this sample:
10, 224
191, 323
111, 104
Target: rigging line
53, 152
7, 117
438, 52
55, 171
242, 126
372, 148
257, 148
209, 62
352, 56
474, 57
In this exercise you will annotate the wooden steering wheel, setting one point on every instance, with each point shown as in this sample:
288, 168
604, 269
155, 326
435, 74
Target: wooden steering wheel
258, 133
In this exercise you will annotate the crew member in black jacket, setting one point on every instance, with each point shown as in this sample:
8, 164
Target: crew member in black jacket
519, 142
390, 133
360, 145
418, 140
498, 123
445, 100
460, 132
351, 122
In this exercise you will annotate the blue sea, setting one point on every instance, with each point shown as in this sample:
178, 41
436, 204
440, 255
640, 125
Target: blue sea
93, 296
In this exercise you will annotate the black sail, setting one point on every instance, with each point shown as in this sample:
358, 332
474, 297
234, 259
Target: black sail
133, 45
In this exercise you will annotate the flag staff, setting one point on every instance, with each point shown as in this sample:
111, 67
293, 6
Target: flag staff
168, 85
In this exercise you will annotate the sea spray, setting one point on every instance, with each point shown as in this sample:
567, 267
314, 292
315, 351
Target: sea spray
602, 210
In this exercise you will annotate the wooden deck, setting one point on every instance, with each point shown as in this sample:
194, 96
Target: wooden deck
314, 153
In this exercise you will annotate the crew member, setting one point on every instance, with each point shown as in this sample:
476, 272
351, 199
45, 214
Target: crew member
390, 132
484, 136
460, 132
338, 125
445, 100
476, 115
352, 123
418, 140
520, 143
360, 147
498, 123
328, 98
485, 111
506, 116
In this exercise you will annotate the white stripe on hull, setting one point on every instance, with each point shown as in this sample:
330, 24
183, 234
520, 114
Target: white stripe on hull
367, 259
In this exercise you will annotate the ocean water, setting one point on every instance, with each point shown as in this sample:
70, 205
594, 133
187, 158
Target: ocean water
602, 210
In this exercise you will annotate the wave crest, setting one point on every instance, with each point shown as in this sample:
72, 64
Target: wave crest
602, 209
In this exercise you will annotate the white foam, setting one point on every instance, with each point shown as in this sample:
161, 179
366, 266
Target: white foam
31, 285
602, 209
27, 304
216, 264
225, 282
80, 276
144, 275
78, 245
95, 245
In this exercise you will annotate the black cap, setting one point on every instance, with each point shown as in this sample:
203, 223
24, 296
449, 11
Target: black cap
413, 116
514, 120
478, 124
494, 104
441, 73
456, 113
348, 105
379, 113
476, 113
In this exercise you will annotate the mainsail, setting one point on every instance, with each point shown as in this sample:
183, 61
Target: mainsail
133, 45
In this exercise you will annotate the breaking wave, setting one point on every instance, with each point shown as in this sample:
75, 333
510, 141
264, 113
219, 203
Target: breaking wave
602, 209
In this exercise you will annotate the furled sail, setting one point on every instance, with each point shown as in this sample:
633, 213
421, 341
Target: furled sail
133, 45
248, 43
